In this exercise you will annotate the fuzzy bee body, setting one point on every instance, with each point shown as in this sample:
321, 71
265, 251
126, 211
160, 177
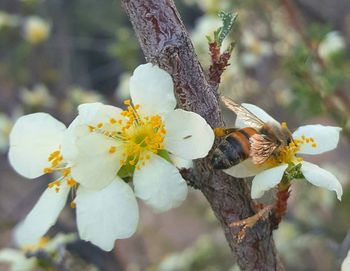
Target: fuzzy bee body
260, 141
235, 148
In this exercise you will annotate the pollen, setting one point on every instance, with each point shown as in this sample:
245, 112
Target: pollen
47, 170
313, 145
66, 171
112, 121
284, 125
71, 182
100, 125
72, 205
112, 149
141, 135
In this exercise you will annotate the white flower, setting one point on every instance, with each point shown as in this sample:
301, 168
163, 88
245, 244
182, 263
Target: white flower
36, 30
102, 215
309, 139
122, 92
333, 43
38, 97
106, 141
254, 49
18, 259
7, 20
345, 266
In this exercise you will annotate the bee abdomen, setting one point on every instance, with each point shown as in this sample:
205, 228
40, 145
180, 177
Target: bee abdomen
234, 149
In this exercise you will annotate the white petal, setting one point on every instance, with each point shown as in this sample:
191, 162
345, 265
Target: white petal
160, 184
17, 260
89, 114
43, 215
266, 180
187, 134
94, 113
106, 215
33, 138
322, 178
180, 162
257, 111
69, 149
325, 137
153, 89
94, 167
244, 169
345, 266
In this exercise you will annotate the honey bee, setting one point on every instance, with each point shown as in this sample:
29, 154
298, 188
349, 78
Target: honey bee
259, 141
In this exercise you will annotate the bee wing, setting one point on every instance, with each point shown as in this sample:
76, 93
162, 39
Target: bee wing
261, 148
244, 114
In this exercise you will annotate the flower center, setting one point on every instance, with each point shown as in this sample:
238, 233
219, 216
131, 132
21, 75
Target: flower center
287, 154
140, 135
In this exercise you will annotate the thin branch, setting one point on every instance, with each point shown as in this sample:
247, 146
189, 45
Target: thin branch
165, 41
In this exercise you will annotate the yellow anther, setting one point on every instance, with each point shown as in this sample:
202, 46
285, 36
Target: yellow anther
284, 125
72, 205
313, 145
57, 189
299, 159
120, 121
127, 102
312, 139
112, 149
112, 121
91, 128
137, 106
66, 171
47, 170
53, 155
99, 125
71, 182
132, 162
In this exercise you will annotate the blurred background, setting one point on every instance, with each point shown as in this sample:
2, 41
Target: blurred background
290, 58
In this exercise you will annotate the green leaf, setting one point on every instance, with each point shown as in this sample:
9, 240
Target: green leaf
228, 20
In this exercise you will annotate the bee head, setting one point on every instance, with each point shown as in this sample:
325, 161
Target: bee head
286, 134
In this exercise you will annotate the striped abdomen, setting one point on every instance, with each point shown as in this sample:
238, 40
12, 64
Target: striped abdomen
234, 149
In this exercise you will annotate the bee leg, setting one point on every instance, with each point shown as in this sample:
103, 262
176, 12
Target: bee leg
250, 221
220, 132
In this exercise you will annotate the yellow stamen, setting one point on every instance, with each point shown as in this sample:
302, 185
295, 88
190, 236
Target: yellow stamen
99, 125
72, 205
47, 170
112, 149
112, 121
71, 182
313, 145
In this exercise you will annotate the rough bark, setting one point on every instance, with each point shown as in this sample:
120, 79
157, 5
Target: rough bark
164, 41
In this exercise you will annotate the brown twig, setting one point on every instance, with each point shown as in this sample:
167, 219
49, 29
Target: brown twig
165, 41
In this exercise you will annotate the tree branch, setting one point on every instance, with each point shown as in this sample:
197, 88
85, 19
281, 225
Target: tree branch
164, 41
